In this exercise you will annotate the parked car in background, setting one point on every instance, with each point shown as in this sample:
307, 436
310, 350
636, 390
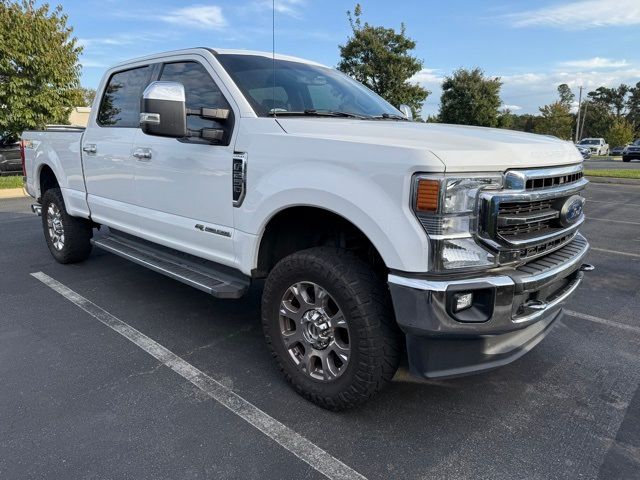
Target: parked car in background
617, 151
598, 146
631, 152
10, 160
584, 151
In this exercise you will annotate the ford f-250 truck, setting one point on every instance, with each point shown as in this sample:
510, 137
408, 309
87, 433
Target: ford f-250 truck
376, 235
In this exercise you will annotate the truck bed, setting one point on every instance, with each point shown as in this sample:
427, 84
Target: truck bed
59, 148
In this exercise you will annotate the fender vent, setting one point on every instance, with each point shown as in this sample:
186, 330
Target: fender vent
239, 177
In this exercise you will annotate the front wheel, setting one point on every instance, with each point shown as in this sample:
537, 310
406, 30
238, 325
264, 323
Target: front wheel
328, 321
68, 238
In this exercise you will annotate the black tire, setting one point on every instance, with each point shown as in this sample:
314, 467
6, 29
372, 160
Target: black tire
374, 337
626, 159
77, 231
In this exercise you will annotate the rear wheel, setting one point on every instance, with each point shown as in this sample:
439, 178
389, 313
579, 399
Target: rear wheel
328, 321
68, 238
626, 159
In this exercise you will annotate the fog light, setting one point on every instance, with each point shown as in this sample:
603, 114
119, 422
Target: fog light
462, 301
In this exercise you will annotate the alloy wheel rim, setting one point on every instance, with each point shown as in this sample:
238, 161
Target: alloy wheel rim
314, 331
55, 226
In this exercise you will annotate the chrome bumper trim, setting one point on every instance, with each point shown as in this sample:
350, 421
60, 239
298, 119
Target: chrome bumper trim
443, 285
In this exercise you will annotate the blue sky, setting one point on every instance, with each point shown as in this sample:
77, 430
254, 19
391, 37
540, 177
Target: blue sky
532, 45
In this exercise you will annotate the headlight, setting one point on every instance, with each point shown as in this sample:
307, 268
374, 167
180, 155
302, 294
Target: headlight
446, 206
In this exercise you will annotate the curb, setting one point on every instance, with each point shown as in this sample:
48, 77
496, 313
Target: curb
13, 193
615, 181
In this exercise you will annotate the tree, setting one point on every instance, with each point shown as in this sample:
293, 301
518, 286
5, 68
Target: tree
566, 95
39, 70
470, 98
556, 119
614, 99
620, 133
597, 119
633, 106
84, 97
379, 58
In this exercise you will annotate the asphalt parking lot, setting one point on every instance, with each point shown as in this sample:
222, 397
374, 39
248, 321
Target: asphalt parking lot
78, 400
611, 162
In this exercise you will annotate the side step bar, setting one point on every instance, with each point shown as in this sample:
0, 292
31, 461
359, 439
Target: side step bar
214, 279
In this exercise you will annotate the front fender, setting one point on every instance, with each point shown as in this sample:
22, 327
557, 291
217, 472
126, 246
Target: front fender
377, 204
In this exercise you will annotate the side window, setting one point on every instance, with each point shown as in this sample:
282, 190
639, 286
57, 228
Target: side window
120, 104
200, 90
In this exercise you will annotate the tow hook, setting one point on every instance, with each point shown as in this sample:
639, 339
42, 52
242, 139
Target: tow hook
37, 209
587, 267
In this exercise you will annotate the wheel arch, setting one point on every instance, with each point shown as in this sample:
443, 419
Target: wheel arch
300, 226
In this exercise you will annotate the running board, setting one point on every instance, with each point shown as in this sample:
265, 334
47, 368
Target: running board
214, 279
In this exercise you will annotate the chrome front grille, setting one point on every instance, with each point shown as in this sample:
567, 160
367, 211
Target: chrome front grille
554, 181
526, 219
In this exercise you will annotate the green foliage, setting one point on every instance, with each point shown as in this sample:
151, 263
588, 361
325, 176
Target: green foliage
380, 58
633, 105
620, 133
84, 97
555, 119
39, 70
597, 119
470, 98
614, 173
566, 95
614, 99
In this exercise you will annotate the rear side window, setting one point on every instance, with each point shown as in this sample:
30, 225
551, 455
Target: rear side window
120, 105
200, 91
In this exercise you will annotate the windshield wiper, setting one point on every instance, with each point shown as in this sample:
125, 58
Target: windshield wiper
390, 116
319, 113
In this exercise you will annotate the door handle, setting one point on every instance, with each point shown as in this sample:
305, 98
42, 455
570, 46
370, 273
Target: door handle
142, 154
91, 148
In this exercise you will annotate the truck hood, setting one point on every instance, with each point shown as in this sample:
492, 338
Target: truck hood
460, 148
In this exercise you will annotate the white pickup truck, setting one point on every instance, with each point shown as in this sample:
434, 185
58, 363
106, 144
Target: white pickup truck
376, 235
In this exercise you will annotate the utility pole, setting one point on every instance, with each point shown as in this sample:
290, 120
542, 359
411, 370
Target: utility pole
578, 118
584, 118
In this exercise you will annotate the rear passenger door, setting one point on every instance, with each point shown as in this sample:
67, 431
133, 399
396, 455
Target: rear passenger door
184, 185
107, 142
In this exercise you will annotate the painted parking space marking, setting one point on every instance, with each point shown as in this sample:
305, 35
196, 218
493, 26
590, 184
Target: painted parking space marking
605, 250
302, 448
614, 203
614, 221
603, 321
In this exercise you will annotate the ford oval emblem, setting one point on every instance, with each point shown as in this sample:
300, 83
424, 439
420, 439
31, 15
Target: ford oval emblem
571, 210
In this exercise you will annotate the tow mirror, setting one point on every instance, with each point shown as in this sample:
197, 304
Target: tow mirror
163, 110
406, 111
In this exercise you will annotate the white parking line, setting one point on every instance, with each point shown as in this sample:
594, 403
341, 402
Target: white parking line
636, 255
302, 448
613, 221
614, 203
603, 321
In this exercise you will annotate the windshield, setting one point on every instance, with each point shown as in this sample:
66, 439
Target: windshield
589, 142
637, 142
300, 87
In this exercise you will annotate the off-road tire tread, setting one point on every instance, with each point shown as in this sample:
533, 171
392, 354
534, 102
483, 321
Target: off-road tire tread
369, 307
77, 231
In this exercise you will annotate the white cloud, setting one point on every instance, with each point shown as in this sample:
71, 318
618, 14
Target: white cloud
512, 108
525, 92
198, 16
595, 62
580, 15
292, 8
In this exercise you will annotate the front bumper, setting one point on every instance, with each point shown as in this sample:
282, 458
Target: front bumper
513, 311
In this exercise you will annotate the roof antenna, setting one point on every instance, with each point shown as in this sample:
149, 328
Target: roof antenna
273, 55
